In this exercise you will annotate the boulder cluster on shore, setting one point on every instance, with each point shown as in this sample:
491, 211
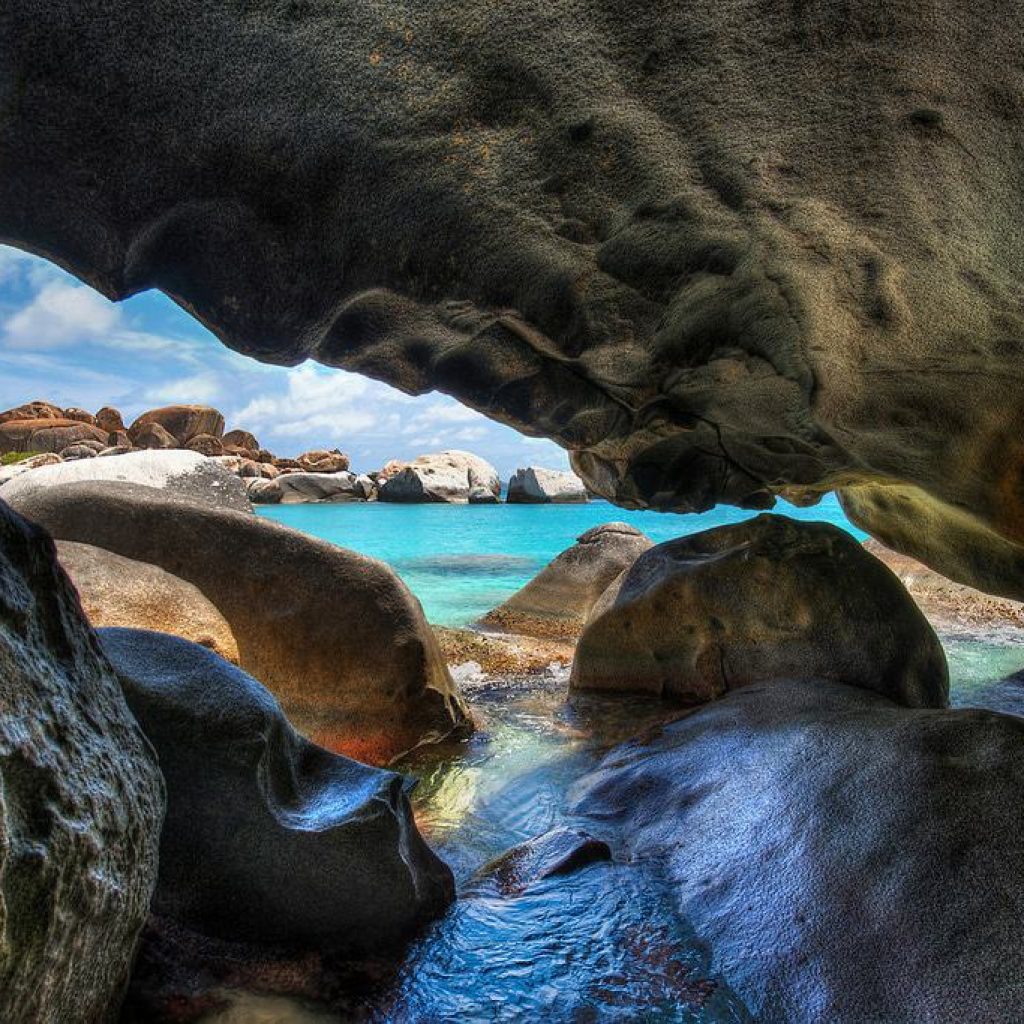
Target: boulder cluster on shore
39, 434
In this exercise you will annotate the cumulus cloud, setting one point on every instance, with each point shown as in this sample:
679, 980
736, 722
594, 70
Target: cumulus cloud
61, 314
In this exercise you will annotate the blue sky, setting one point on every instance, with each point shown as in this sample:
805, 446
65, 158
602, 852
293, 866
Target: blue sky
63, 342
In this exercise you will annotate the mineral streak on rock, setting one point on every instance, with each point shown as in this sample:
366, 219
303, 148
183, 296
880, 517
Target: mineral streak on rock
718, 250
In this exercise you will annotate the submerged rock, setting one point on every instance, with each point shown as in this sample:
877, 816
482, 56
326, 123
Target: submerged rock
267, 837
843, 858
81, 800
769, 598
557, 601
447, 476
118, 591
558, 852
537, 486
187, 475
336, 636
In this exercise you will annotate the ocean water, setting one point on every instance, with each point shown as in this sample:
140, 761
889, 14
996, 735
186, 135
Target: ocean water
462, 560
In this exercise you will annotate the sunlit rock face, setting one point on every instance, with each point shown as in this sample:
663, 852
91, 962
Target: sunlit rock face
81, 800
718, 250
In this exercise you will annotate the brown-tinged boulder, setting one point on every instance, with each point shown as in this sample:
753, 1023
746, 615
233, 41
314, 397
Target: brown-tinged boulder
118, 591
33, 411
205, 444
263, 455
45, 435
286, 464
447, 476
241, 439
82, 800
269, 838
119, 439
337, 637
538, 486
187, 475
117, 449
182, 422
770, 598
80, 415
845, 859
268, 471
557, 601
152, 436
110, 420
322, 461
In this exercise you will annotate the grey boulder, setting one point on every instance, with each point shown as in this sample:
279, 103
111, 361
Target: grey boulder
81, 800
269, 838
537, 486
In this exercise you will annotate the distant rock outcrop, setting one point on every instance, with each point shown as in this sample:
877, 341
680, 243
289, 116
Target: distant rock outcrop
557, 601
182, 422
82, 800
46, 434
321, 461
535, 485
447, 476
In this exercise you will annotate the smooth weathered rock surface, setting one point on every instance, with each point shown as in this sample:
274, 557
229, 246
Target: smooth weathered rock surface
241, 439
264, 492
297, 488
110, 419
118, 591
187, 475
182, 422
205, 444
769, 598
45, 435
557, 601
37, 410
844, 859
537, 486
81, 800
715, 271
447, 476
152, 436
268, 837
336, 636
32, 462
81, 416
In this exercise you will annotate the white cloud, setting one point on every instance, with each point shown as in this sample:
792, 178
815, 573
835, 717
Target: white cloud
203, 388
61, 314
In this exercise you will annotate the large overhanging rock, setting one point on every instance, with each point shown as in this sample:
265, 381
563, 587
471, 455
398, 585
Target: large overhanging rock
718, 250
337, 637
81, 800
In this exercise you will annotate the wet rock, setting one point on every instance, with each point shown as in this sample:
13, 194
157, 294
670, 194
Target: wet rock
320, 461
110, 420
769, 598
336, 636
187, 475
118, 591
45, 435
267, 837
182, 422
538, 486
205, 444
298, 488
558, 852
557, 601
241, 439
482, 496
82, 800
447, 476
845, 859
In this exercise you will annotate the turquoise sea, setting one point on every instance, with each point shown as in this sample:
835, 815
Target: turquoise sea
462, 560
